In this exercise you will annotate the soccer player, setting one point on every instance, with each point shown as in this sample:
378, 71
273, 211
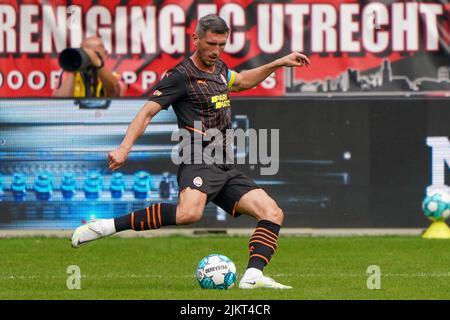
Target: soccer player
197, 88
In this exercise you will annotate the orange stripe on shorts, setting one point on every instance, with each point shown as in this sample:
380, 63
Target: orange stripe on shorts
234, 209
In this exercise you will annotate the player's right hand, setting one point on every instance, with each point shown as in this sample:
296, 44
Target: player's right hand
117, 158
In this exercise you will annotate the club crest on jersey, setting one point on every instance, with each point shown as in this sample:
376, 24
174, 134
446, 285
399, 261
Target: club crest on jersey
157, 93
224, 79
198, 182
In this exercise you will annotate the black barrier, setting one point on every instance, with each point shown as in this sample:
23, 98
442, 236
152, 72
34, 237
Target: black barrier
343, 163
352, 163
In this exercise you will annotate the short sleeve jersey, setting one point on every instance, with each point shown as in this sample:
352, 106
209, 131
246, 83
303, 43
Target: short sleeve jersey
198, 96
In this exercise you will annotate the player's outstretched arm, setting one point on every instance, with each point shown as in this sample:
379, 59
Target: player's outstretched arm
250, 78
117, 157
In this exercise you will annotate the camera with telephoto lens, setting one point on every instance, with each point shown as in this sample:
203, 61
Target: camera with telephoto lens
74, 59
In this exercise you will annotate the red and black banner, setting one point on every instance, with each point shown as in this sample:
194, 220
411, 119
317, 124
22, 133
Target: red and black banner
355, 47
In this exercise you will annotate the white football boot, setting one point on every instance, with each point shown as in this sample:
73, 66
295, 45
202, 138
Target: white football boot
91, 231
254, 279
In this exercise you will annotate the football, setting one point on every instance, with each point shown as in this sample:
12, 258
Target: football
216, 271
436, 205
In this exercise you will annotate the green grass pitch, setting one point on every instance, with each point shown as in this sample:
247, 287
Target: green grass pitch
163, 268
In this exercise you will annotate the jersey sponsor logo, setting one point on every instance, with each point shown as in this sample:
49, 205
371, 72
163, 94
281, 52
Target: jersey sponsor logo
157, 93
198, 182
202, 82
220, 101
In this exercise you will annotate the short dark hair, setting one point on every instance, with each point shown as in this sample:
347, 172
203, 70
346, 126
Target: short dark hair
213, 23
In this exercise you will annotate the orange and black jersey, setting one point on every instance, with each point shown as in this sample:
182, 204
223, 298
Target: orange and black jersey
196, 95
201, 97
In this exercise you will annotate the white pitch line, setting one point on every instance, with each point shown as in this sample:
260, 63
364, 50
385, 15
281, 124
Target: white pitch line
300, 275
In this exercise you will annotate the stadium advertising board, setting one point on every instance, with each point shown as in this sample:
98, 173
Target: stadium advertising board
355, 47
341, 162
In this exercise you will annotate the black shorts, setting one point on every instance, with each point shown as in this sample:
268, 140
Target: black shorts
223, 184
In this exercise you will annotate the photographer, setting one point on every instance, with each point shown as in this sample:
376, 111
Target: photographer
96, 80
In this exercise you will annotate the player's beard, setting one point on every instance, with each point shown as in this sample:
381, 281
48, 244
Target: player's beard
209, 61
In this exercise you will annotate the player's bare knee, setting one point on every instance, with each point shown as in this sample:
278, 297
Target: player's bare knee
189, 215
273, 214
194, 216
278, 216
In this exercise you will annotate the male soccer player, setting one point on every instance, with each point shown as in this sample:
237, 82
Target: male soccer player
194, 88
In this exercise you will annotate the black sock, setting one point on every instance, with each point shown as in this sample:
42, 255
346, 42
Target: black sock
262, 244
152, 217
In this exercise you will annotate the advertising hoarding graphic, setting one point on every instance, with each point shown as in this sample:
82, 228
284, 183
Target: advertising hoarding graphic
343, 162
440, 162
355, 47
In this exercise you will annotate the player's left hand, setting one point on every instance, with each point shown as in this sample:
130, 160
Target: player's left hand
295, 59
